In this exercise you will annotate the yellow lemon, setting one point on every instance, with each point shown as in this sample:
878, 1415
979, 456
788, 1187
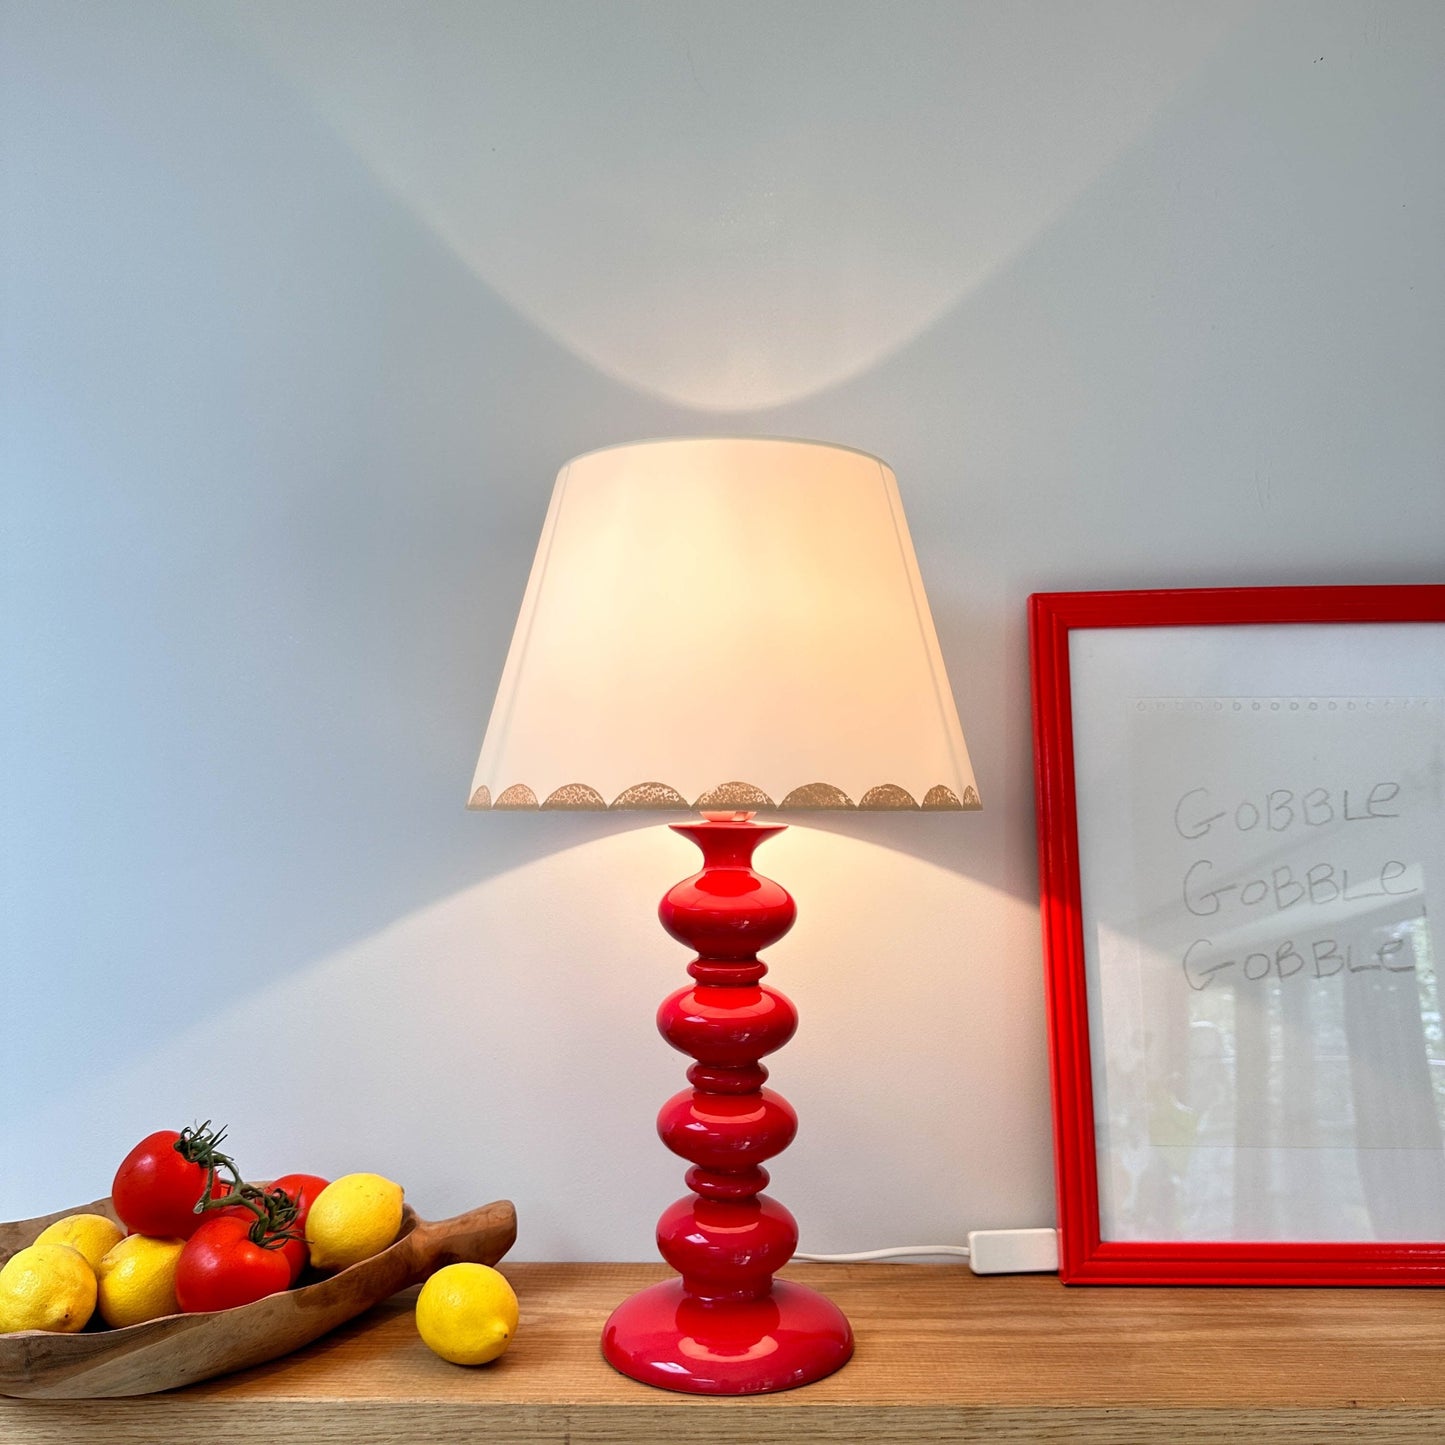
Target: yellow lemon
92, 1235
467, 1313
46, 1287
353, 1218
138, 1280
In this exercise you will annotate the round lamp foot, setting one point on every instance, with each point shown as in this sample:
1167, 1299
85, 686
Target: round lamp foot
666, 1337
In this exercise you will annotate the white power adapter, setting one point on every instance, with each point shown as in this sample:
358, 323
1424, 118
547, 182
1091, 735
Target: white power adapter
1013, 1251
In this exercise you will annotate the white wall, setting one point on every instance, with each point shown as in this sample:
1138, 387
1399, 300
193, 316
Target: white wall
304, 305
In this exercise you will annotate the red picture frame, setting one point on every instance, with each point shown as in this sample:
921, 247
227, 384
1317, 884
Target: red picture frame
1086, 1257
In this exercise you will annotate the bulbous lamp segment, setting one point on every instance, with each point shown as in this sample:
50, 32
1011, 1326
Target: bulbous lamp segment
725, 1326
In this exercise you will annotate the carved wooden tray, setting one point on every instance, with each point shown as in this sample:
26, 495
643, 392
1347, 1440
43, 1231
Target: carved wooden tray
180, 1349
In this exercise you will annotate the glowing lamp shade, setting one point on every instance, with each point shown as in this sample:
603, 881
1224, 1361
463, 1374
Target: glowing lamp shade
733, 627
724, 624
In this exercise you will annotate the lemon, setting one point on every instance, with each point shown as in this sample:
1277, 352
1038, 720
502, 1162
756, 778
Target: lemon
467, 1313
46, 1287
138, 1280
92, 1235
353, 1218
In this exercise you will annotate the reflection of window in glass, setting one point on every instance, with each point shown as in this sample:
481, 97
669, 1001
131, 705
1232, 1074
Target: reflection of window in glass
1417, 931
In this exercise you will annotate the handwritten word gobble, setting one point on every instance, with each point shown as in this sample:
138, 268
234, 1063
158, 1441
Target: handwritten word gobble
1322, 883
1322, 956
1281, 809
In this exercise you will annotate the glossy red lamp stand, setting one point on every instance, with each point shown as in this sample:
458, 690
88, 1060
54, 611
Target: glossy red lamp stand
726, 1326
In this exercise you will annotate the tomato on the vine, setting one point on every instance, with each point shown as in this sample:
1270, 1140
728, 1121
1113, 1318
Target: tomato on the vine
227, 1263
283, 1206
302, 1190
162, 1181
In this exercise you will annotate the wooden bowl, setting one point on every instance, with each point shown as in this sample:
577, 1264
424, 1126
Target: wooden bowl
181, 1349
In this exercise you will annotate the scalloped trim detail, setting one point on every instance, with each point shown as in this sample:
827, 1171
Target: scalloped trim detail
574, 797
818, 795
519, 795
735, 796
648, 795
887, 796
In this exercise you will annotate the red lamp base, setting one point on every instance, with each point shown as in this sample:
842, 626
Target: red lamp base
667, 1337
727, 1327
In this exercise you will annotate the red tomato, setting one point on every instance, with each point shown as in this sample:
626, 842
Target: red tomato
302, 1189
223, 1266
160, 1182
293, 1251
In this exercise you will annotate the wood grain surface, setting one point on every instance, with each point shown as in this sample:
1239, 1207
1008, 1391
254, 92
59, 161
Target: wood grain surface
943, 1355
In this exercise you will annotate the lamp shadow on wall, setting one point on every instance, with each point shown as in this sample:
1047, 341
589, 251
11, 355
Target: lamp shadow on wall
823, 193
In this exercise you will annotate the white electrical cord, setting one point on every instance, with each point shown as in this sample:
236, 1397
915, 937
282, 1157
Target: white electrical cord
988, 1251
902, 1251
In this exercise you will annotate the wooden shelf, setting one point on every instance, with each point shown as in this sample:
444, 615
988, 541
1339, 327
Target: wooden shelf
942, 1356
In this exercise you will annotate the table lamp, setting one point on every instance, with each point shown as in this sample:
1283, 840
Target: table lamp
729, 627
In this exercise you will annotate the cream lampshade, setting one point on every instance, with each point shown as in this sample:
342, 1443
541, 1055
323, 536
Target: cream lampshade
724, 623
732, 626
